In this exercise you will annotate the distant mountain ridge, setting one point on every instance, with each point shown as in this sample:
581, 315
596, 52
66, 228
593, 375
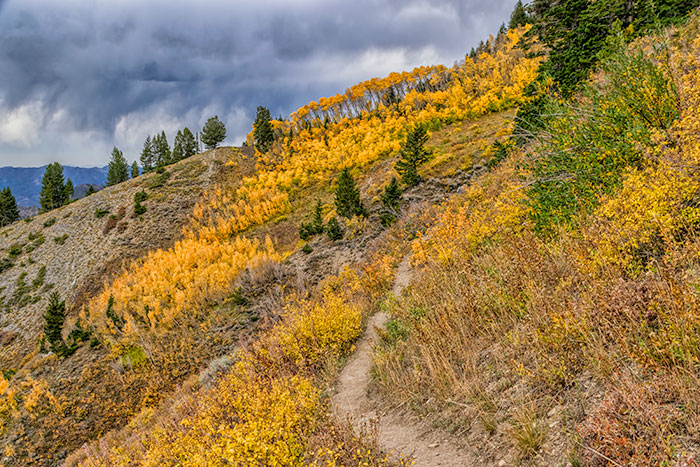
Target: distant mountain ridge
25, 182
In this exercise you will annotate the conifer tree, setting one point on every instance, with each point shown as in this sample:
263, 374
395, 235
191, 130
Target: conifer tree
70, 190
189, 144
161, 150
54, 317
333, 229
9, 212
178, 149
118, 170
213, 133
53, 189
307, 231
412, 155
262, 130
147, 160
518, 17
347, 196
134, 170
391, 199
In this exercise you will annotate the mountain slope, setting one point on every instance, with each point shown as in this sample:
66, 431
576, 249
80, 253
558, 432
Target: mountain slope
74, 250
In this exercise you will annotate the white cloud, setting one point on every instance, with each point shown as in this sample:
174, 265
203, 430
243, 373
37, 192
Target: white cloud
21, 125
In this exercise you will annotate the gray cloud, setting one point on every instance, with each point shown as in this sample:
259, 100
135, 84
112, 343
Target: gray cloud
78, 78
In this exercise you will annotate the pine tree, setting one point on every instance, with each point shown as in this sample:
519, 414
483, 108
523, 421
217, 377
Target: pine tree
161, 150
118, 170
53, 190
54, 317
70, 190
189, 144
412, 155
308, 230
262, 130
134, 170
333, 229
391, 199
518, 17
347, 196
147, 161
178, 149
91, 190
213, 133
8, 207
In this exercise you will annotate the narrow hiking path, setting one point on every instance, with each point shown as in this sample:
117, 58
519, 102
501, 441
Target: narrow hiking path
402, 434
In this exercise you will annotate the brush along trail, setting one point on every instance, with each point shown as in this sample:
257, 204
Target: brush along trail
402, 435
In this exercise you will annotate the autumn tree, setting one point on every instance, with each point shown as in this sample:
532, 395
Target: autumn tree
53, 189
9, 212
262, 130
347, 196
147, 156
118, 169
54, 318
213, 133
412, 155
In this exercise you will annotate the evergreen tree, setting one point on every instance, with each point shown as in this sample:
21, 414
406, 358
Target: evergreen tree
262, 130
412, 155
315, 227
54, 317
70, 190
189, 144
53, 190
333, 229
161, 150
213, 133
90, 190
178, 149
347, 196
8, 207
147, 159
518, 17
391, 199
118, 170
134, 170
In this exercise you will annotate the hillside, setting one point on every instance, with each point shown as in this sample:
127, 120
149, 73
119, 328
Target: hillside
75, 249
25, 182
529, 297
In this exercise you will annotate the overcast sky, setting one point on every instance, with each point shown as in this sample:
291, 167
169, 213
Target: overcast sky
78, 77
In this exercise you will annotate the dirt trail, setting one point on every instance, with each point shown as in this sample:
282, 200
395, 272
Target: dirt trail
398, 433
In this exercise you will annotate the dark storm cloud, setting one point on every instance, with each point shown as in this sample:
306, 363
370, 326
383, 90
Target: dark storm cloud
78, 77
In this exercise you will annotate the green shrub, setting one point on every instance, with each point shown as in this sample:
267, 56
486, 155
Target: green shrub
15, 250
5, 264
39, 280
101, 212
307, 248
595, 139
50, 222
60, 240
